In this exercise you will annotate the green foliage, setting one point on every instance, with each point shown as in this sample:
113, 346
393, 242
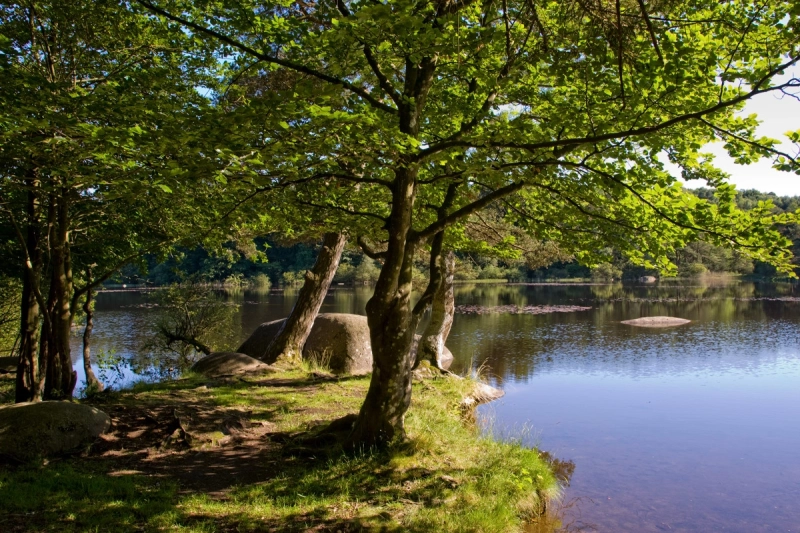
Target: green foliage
366, 271
562, 115
606, 272
293, 278
695, 269
261, 281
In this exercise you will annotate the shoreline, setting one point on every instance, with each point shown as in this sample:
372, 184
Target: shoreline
249, 451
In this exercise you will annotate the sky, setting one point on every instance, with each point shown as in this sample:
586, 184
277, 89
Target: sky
778, 114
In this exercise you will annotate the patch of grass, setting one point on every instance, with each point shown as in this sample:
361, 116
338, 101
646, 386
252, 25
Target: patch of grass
63, 497
447, 476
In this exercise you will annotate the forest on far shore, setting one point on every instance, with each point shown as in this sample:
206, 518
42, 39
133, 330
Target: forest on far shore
286, 261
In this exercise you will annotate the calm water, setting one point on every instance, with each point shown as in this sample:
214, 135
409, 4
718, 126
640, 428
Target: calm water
694, 428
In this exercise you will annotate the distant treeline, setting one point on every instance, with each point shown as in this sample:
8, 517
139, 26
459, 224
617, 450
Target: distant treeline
287, 263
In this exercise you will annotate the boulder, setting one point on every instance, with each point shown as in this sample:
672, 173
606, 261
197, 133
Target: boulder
8, 365
31, 430
228, 363
339, 341
647, 279
656, 322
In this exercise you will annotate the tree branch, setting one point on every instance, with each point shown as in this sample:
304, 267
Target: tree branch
383, 81
754, 144
572, 143
368, 250
650, 30
345, 210
377, 104
468, 209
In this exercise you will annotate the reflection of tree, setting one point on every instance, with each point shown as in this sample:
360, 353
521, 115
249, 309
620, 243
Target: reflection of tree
606, 292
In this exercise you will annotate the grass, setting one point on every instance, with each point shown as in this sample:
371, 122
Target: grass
447, 476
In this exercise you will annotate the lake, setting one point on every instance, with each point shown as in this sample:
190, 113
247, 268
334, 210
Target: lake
693, 428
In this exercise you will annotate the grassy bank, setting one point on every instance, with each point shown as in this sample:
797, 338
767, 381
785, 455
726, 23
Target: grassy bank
200, 455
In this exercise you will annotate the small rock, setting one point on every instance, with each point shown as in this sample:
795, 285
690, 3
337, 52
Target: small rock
228, 363
482, 393
450, 481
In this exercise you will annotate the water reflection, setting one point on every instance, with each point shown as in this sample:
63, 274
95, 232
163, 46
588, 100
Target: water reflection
693, 428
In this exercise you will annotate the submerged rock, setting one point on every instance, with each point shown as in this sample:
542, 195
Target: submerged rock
339, 341
228, 363
656, 321
30, 430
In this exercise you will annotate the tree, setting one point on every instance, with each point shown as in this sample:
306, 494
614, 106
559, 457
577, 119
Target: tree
443, 308
99, 119
406, 117
288, 343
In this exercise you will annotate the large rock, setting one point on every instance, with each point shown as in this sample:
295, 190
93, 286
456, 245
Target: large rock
656, 322
228, 363
30, 430
8, 365
338, 340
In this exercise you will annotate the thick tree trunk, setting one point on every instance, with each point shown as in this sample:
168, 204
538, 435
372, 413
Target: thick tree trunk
391, 318
92, 383
288, 343
431, 345
61, 378
392, 324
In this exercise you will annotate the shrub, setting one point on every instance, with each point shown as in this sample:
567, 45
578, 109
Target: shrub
696, 269
606, 272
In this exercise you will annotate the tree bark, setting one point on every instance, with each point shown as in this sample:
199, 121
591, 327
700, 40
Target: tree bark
392, 324
61, 379
288, 343
431, 345
28, 372
391, 318
92, 383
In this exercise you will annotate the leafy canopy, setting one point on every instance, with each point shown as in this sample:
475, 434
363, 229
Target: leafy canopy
565, 111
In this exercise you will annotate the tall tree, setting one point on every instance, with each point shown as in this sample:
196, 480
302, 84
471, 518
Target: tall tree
288, 343
562, 111
99, 119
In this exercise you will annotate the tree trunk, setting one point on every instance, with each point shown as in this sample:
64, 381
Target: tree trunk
61, 378
288, 343
28, 372
391, 318
92, 383
392, 324
431, 345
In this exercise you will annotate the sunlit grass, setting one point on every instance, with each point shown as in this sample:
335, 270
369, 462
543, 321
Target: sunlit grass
447, 476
